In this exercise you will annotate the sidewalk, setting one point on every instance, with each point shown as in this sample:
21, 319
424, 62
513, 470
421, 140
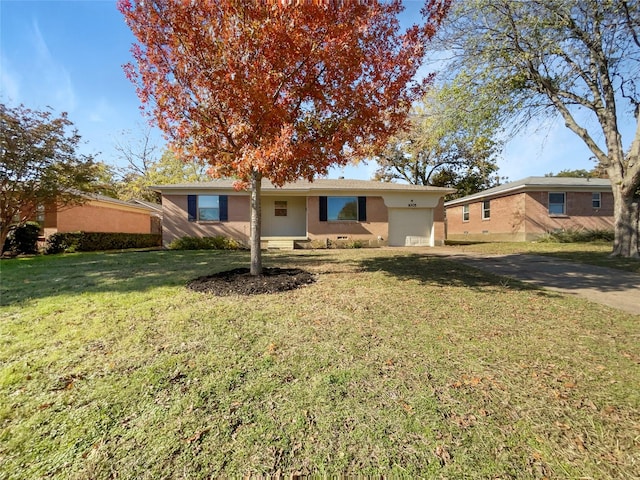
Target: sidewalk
614, 288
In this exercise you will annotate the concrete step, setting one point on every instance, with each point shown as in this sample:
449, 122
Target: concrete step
280, 245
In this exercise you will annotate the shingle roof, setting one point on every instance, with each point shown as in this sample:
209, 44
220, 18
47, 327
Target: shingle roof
153, 206
537, 183
304, 186
104, 198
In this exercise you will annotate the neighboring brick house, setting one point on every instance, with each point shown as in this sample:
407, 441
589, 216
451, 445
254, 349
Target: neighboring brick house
156, 213
529, 208
308, 213
98, 214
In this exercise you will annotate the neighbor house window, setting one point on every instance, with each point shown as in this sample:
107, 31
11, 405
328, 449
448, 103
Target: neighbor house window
465, 213
335, 209
40, 214
207, 208
596, 200
557, 204
280, 208
486, 209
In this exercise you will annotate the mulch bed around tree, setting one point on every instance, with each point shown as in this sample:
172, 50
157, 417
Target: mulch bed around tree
240, 282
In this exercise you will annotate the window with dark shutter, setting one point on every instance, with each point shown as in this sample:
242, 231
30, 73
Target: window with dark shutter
192, 207
207, 208
362, 209
343, 209
323, 209
224, 208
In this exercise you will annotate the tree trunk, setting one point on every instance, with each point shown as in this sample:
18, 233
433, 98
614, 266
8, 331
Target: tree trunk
4, 233
626, 222
256, 223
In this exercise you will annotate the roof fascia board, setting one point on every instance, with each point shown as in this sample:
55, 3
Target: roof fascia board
296, 191
484, 195
527, 188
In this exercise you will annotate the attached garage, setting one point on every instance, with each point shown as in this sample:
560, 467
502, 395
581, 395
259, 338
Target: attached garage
411, 227
411, 217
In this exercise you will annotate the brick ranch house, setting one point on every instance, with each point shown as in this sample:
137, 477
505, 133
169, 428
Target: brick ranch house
527, 209
308, 214
99, 213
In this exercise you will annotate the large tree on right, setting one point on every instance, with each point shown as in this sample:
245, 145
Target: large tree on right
576, 58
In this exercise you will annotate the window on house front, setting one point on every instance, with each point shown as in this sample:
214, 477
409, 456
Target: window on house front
334, 209
280, 208
557, 204
465, 213
596, 200
207, 208
342, 208
486, 209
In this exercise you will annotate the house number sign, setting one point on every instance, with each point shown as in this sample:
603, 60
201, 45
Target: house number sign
412, 204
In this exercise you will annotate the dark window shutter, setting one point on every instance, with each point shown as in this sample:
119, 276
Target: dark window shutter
362, 209
323, 209
224, 208
192, 207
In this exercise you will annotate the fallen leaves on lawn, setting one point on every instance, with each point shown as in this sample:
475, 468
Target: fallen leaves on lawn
197, 436
443, 455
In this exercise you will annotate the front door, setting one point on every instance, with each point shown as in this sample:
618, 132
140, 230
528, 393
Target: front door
284, 216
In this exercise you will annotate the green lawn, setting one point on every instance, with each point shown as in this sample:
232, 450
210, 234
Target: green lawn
392, 364
593, 253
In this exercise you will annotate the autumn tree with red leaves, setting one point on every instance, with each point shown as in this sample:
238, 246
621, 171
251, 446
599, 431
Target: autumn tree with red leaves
276, 90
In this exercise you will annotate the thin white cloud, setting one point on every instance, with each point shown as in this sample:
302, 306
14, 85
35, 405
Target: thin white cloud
51, 76
9, 82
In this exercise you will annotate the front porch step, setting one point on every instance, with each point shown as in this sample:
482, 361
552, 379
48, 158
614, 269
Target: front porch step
280, 245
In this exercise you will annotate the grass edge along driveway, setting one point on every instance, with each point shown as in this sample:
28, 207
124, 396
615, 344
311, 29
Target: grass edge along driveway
393, 364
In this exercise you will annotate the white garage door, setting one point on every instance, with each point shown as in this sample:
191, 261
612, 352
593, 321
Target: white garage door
410, 226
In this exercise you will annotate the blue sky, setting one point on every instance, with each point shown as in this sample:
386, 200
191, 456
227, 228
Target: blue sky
68, 55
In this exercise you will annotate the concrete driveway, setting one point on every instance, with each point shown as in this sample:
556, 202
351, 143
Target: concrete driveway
615, 288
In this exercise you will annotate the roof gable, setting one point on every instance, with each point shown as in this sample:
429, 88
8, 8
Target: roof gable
114, 202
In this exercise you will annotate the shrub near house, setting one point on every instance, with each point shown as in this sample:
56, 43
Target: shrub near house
97, 241
22, 240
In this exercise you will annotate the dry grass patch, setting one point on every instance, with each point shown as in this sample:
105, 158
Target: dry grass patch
392, 364
591, 253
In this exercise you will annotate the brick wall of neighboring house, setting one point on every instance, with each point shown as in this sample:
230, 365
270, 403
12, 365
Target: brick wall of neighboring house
505, 223
50, 225
95, 216
375, 226
176, 222
580, 213
156, 224
525, 216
